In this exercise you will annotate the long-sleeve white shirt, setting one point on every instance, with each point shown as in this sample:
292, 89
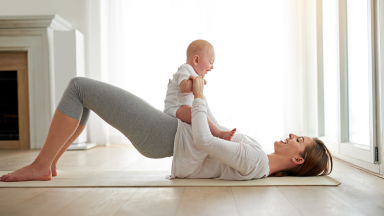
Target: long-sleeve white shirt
197, 154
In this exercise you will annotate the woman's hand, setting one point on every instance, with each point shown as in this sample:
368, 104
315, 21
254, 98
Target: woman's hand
198, 86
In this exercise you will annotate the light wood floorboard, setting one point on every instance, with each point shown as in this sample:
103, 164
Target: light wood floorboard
9, 197
207, 201
359, 194
48, 202
153, 201
262, 201
99, 201
371, 181
317, 201
361, 197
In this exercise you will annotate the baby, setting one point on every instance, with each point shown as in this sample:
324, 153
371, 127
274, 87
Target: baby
179, 98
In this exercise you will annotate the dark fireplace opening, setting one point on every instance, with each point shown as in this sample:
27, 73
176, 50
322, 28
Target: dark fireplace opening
9, 114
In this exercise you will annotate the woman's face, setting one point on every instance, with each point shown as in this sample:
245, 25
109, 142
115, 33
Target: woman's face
292, 146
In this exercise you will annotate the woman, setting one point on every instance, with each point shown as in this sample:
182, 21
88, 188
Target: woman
157, 135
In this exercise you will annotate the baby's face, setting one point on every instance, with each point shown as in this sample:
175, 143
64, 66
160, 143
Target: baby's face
205, 62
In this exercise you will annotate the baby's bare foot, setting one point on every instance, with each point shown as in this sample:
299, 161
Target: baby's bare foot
227, 135
27, 173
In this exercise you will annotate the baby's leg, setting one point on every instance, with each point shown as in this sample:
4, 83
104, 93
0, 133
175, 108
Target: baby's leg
226, 135
184, 114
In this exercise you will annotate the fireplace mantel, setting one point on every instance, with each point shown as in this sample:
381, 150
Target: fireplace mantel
41, 21
35, 34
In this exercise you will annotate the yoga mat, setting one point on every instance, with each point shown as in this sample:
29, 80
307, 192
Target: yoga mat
158, 179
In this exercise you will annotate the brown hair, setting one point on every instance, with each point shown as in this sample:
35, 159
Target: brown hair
316, 162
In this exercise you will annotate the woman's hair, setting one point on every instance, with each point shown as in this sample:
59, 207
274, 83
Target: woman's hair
316, 162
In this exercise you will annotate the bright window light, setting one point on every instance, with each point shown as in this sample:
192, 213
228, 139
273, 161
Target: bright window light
256, 83
331, 67
358, 94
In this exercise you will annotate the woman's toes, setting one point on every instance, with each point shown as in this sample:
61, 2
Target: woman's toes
4, 177
54, 172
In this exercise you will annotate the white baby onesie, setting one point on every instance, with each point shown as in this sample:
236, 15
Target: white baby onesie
176, 98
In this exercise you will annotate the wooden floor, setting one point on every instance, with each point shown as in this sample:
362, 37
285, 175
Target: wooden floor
359, 194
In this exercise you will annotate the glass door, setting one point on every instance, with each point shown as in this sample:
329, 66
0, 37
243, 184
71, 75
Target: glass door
349, 77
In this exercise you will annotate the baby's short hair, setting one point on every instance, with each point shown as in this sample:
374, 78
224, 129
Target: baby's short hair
197, 47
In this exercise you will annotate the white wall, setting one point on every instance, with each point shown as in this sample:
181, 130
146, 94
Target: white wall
73, 11
84, 15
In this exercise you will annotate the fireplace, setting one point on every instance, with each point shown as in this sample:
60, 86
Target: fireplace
9, 112
14, 108
50, 53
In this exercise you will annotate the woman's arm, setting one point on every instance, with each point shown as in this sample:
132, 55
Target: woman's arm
244, 158
197, 87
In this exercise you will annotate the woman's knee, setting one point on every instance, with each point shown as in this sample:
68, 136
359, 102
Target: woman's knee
76, 81
77, 85
73, 83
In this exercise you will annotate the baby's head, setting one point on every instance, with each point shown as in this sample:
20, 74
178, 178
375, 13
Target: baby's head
201, 55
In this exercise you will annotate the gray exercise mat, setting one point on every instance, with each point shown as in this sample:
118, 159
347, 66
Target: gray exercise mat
158, 179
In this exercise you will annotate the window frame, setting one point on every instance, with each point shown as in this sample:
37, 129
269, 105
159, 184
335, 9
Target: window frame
342, 148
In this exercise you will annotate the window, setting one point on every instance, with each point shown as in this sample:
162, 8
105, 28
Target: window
349, 84
358, 71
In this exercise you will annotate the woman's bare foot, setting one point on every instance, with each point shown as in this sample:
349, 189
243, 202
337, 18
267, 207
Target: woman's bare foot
227, 135
27, 173
54, 170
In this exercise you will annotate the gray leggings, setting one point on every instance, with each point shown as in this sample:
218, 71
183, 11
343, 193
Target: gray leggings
151, 131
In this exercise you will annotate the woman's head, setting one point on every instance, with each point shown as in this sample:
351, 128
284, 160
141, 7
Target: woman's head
309, 156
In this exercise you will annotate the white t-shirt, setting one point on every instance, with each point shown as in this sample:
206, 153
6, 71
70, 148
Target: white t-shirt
197, 154
176, 98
